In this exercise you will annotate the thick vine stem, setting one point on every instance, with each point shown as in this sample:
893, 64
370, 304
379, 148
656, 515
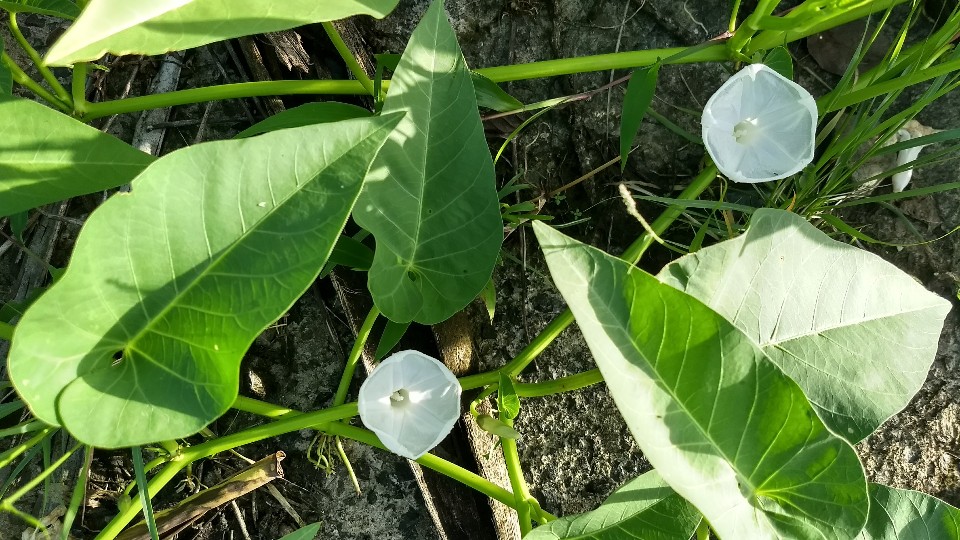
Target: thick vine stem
348, 57
45, 72
20, 77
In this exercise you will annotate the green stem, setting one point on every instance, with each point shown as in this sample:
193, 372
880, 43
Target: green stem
880, 89
10, 455
20, 77
561, 385
603, 62
348, 57
78, 87
191, 454
261, 408
28, 487
341, 396
225, 91
6, 331
751, 25
815, 16
142, 493
733, 16
518, 483
558, 325
37, 61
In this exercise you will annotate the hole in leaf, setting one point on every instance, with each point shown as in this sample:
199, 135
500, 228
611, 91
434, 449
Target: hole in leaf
117, 357
411, 275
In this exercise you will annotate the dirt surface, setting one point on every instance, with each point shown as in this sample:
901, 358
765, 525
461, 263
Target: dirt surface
575, 449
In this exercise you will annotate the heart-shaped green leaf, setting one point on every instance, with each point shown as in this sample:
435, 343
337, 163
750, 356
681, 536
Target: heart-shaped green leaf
56, 8
435, 215
644, 508
46, 157
158, 26
822, 311
724, 427
141, 339
901, 514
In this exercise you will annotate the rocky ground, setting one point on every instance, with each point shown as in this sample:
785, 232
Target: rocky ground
574, 447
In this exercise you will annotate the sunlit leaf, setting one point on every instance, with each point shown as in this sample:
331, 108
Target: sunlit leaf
125, 27
57, 8
724, 427
435, 214
900, 514
169, 285
46, 157
822, 310
305, 115
645, 508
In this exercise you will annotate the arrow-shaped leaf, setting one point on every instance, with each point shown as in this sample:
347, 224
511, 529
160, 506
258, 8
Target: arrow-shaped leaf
141, 339
46, 157
823, 311
724, 427
435, 214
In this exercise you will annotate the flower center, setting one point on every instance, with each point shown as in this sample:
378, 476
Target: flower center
400, 398
746, 131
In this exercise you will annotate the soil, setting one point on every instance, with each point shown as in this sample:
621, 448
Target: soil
574, 448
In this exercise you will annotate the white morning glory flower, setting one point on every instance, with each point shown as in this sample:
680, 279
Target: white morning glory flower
760, 126
411, 401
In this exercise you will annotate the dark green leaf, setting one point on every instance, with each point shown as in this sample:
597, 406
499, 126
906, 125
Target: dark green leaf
305, 115
640, 91
491, 96
169, 284
18, 224
900, 514
57, 8
430, 200
724, 427
351, 253
392, 333
643, 509
779, 60
46, 157
6, 78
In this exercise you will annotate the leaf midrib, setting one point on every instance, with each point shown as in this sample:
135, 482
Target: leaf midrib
147, 328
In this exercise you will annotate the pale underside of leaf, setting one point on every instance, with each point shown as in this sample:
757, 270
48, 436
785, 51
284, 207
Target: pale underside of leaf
855, 332
721, 424
46, 156
168, 285
125, 27
435, 214
57, 8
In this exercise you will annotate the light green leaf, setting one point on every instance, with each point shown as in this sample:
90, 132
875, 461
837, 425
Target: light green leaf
435, 215
508, 402
723, 426
496, 427
46, 156
305, 115
57, 8
306, 533
822, 310
169, 285
644, 508
900, 514
124, 27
